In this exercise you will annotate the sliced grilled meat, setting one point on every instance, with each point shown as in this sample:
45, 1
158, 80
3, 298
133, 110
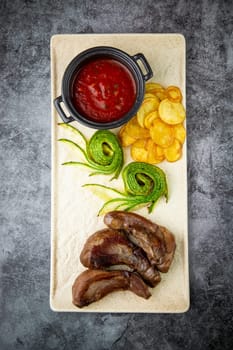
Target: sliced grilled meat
92, 285
109, 247
156, 241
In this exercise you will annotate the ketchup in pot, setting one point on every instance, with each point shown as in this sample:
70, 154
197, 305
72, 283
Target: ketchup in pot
104, 90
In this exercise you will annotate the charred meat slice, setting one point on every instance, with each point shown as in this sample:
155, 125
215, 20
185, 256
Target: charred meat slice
156, 241
109, 247
92, 285
170, 245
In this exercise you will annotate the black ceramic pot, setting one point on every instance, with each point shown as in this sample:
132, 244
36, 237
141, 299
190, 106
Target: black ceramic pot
130, 62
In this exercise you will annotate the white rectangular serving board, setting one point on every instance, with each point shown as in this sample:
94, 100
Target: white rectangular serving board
74, 208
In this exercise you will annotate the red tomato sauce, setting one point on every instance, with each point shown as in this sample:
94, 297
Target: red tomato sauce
104, 90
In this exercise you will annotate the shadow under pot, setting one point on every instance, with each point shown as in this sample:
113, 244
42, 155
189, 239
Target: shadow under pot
103, 87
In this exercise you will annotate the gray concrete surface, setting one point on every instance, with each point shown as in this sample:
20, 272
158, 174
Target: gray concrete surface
26, 321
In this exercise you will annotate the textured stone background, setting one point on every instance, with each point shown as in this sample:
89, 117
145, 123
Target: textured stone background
26, 321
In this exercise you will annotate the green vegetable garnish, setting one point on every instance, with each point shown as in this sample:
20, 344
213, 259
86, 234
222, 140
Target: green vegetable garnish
144, 184
102, 153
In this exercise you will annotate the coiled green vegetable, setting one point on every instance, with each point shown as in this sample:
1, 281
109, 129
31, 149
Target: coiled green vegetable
102, 153
144, 184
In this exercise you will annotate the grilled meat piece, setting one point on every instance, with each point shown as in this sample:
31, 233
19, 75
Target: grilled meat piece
92, 285
156, 241
109, 247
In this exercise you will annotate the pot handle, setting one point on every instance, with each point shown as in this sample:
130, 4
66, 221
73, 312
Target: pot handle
57, 105
142, 58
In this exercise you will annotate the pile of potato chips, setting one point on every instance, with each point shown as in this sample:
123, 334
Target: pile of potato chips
156, 132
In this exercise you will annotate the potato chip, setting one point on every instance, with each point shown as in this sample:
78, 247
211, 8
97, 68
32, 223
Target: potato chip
138, 150
148, 95
161, 133
171, 112
153, 86
157, 90
125, 139
173, 94
173, 152
161, 94
134, 130
154, 156
121, 131
160, 151
149, 105
150, 118
179, 133
142, 143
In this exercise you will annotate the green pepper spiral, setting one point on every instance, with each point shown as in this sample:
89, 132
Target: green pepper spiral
144, 184
102, 153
